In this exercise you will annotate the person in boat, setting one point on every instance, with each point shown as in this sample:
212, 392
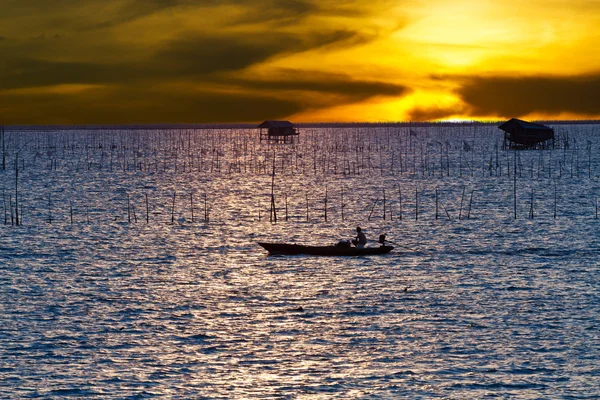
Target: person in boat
360, 239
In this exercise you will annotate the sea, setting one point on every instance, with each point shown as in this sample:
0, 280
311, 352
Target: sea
130, 269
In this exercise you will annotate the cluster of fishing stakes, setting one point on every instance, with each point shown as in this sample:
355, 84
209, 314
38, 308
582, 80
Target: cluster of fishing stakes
188, 174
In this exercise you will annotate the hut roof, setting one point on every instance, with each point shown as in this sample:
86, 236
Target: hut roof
526, 133
515, 125
276, 124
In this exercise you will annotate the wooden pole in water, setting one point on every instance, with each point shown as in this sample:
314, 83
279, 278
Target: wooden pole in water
71, 211
49, 208
462, 199
384, 205
3, 148
342, 203
205, 207
416, 203
173, 207
307, 218
436, 203
470, 203
273, 214
147, 209
5, 209
192, 206
446, 211
400, 200
373, 208
531, 209
515, 184
17, 189
554, 201
128, 210
133, 212
12, 216
326, 193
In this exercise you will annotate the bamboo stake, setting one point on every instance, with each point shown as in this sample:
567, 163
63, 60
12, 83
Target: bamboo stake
416, 203
133, 212
384, 205
373, 208
307, 218
342, 203
192, 206
273, 214
147, 209
3, 148
5, 208
326, 193
49, 208
128, 210
206, 207
173, 207
555, 201
470, 203
17, 189
461, 203
436, 203
12, 216
446, 211
400, 200
531, 209
515, 185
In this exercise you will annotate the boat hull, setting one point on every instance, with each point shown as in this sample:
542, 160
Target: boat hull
293, 249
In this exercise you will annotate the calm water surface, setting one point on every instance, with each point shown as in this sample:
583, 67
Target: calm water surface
112, 306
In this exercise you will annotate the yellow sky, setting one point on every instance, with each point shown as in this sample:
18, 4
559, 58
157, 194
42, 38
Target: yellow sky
185, 61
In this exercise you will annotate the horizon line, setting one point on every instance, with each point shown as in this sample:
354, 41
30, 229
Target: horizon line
246, 125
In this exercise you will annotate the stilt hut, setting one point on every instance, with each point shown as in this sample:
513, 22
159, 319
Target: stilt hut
519, 134
278, 131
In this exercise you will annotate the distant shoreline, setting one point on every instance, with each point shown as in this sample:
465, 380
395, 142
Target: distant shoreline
298, 124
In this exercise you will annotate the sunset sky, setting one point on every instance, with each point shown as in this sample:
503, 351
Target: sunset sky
186, 61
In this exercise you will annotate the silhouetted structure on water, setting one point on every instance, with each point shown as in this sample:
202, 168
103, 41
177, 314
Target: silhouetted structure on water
519, 134
278, 131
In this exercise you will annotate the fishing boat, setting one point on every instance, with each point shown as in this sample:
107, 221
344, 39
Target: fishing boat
293, 249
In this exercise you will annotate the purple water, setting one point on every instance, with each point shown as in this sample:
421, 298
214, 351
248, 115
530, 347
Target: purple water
103, 296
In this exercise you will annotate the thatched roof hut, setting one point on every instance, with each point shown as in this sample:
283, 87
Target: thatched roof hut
278, 131
526, 135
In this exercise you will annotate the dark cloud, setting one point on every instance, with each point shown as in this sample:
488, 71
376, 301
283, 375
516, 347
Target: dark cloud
141, 106
272, 11
26, 73
518, 96
86, 15
293, 11
243, 101
82, 15
341, 85
202, 54
131, 10
78, 42
192, 57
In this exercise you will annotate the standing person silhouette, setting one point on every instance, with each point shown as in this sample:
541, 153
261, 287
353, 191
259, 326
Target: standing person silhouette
360, 239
